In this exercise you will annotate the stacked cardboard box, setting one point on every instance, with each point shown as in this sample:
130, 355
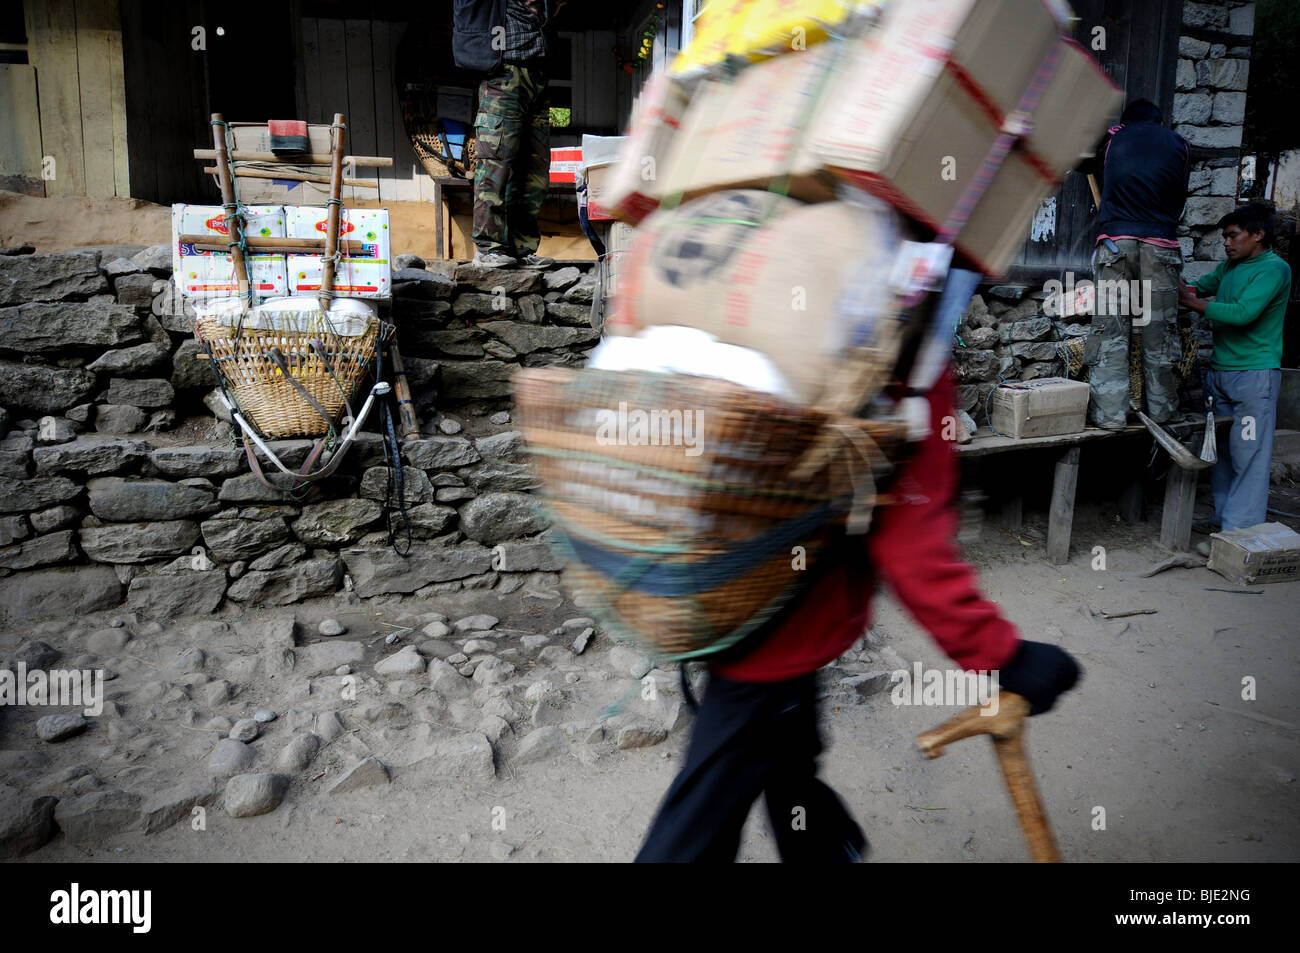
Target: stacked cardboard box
1039, 408
211, 274
363, 274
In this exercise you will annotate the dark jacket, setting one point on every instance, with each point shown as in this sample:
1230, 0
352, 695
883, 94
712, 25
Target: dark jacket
475, 24
472, 25
1144, 170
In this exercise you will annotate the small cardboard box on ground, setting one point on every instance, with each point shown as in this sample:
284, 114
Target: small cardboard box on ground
364, 275
211, 274
1267, 552
1045, 407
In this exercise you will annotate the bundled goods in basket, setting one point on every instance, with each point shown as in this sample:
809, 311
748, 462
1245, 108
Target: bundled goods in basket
268, 356
817, 187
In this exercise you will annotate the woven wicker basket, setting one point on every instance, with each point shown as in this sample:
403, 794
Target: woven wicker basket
265, 398
688, 551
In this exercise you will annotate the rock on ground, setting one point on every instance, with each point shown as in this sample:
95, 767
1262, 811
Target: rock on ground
248, 795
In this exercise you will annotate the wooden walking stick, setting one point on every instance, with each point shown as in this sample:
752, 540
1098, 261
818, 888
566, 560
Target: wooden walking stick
234, 219
1007, 729
405, 408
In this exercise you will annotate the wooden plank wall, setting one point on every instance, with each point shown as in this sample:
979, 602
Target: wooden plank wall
350, 66
76, 49
20, 145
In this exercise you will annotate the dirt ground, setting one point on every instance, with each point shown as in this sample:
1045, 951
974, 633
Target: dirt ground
1157, 734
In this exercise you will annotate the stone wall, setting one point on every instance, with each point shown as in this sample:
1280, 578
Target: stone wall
117, 483
1005, 333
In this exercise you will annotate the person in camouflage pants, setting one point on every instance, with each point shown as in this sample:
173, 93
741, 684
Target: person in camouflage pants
1153, 330
512, 161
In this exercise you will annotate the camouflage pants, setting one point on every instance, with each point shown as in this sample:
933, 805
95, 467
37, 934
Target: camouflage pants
512, 160
1131, 313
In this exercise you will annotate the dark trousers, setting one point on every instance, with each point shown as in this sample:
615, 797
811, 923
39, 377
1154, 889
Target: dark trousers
749, 739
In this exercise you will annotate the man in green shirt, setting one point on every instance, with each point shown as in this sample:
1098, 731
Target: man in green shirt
1250, 291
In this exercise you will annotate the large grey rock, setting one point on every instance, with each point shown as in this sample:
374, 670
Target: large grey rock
72, 591
540, 744
379, 571
249, 489
53, 728
1034, 329
369, 773
281, 587
58, 277
126, 543
232, 537
188, 371
91, 455
298, 753
466, 379
14, 529
440, 453
470, 306
25, 496
178, 595
119, 418
447, 754
445, 680
15, 464
416, 487
42, 551
506, 447
44, 390
498, 280
501, 476
202, 460
336, 522
406, 662
427, 520
26, 823
93, 817
448, 342
164, 808
583, 290
567, 312
135, 291
496, 517
32, 654
230, 757
1223, 73
278, 558
418, 283
146, 392
558, 279
156, 259
248, 795
322, 658
58, 328
524, 338
125, 500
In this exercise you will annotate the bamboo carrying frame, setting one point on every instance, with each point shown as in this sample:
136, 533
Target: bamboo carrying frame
293, 383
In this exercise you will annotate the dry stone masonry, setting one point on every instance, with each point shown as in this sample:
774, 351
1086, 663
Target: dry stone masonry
120, 480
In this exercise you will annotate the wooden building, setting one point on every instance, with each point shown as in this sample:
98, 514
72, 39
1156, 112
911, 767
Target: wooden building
109, 97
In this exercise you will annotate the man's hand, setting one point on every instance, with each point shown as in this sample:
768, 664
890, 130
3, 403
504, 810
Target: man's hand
1039, 673
1187, 298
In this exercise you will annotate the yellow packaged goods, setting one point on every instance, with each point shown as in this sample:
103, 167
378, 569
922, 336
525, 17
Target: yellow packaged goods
716, 30
631, 188
750, 133
752, 268
1041, 408
211, 274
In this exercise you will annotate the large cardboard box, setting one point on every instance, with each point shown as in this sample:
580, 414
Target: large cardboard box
1072, 111
1041, 408
364, 275
1267, 552
634, 188
211, 274
917, 108
254, 137
772, 287
751, 132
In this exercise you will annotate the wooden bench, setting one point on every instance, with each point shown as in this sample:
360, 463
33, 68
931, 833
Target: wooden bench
1180, 489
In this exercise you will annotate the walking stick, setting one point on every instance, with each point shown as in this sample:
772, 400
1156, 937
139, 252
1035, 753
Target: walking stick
1007, 730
